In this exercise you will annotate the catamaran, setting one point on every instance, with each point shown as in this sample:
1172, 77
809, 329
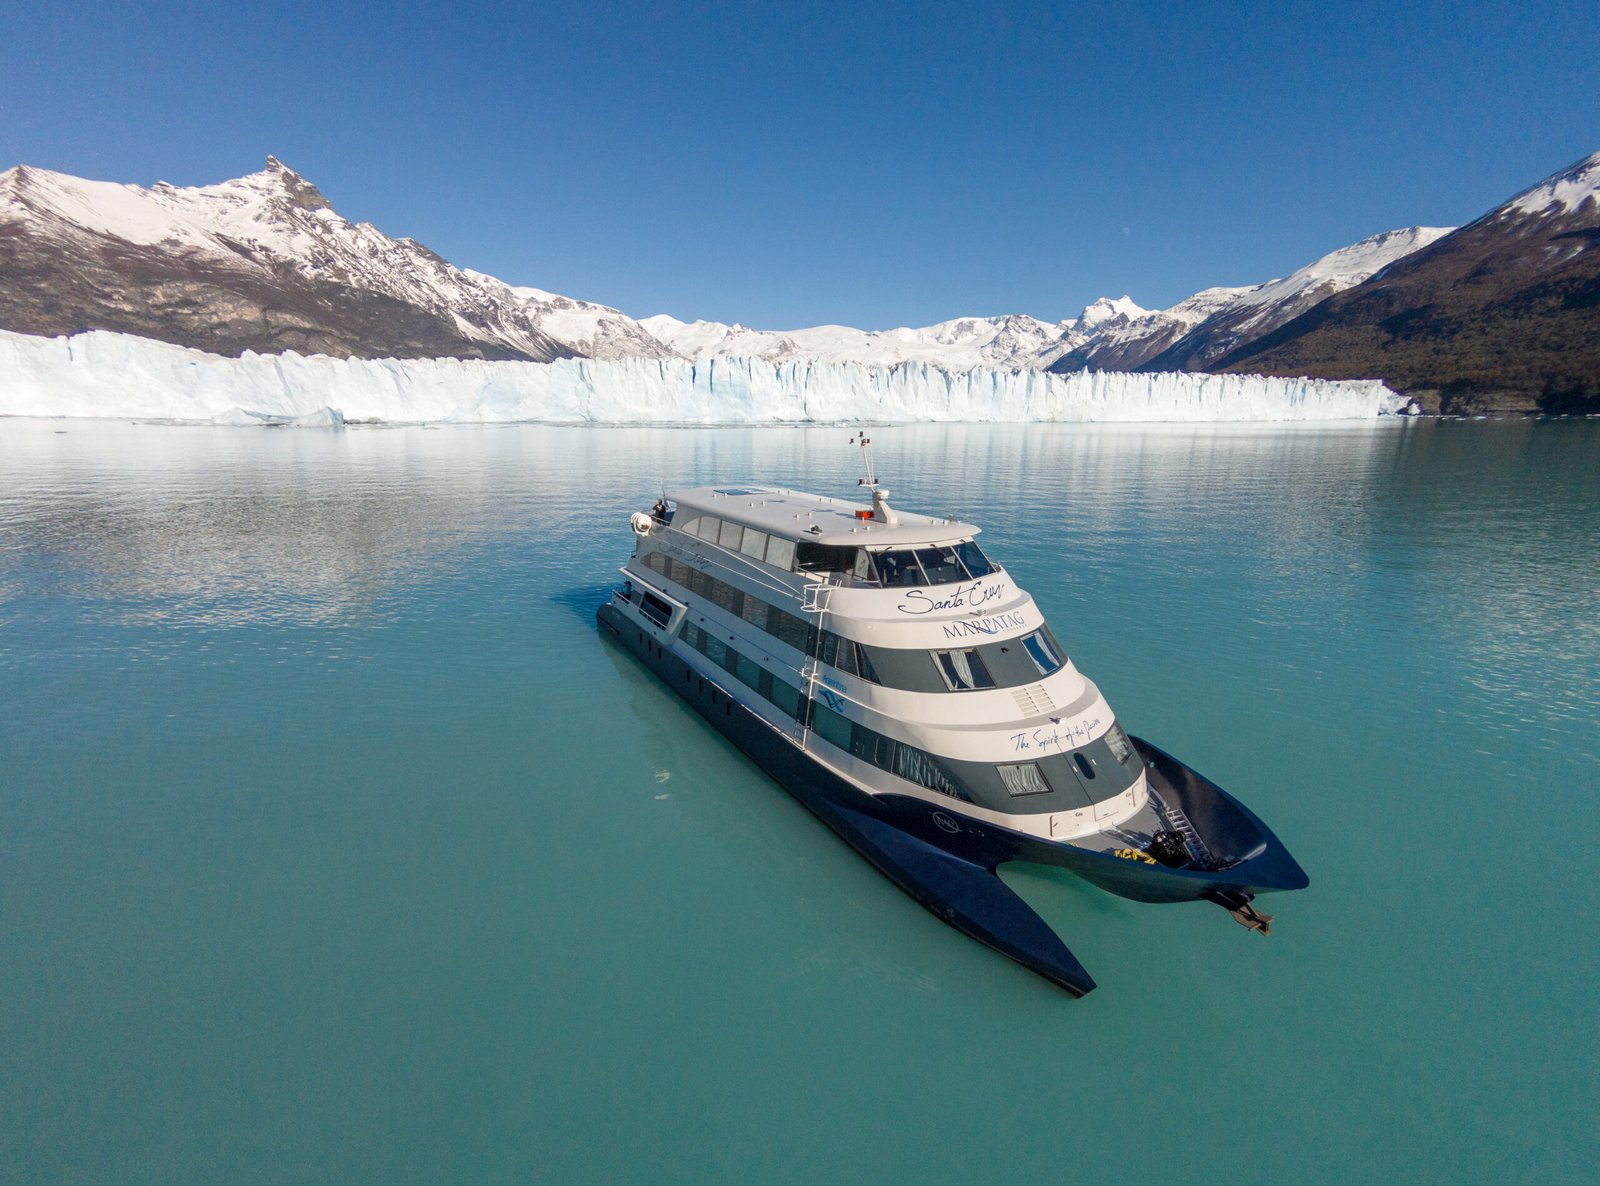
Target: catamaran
894, 679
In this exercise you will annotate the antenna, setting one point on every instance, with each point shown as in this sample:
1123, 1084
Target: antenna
865, 442
881, 511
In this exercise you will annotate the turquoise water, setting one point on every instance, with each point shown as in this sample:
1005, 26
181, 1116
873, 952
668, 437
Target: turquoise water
336, 847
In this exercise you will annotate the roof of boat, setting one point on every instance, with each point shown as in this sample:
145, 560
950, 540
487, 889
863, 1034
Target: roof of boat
799, 516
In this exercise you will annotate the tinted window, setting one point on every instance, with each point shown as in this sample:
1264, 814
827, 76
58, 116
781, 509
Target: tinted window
709, 527
845, 661
786, 697
1121, 747
791, 630
1041, 652
830, 726
755, 543
780, 553
899, 568
755, 612
973, 559
863, 570
864, 665
941, 565
727, 597
1024, 778
963, 671
731, 535
811, 557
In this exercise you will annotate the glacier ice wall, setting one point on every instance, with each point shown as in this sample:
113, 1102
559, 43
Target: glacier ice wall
100, 374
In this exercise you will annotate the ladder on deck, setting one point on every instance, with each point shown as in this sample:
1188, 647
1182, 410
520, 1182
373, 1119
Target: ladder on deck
1180, 824
814, 600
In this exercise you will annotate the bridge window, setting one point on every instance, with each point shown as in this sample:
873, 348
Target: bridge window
899, 568
731, 535
942, 565
973, 559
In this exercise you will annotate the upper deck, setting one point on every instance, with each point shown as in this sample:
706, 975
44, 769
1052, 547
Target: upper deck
813, 518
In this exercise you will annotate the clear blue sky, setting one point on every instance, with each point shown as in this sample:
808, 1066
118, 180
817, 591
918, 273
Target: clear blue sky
869, 164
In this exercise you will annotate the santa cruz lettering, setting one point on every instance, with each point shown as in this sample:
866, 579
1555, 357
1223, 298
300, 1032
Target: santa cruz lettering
962, 597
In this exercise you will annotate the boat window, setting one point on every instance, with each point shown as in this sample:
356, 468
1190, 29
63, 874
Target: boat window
864, 666
1121, 748
755, 544
942, 565
786, 697
1042, 653
748, 671
725, 596
792, 630
689, 526
731, 535
899, 568
830, 726
973, 558
812, 557
707, 526
1085, 767
920, 767
780, 553
863, 571
963, 671
1023, 778
715, 649
755, 612
845, 661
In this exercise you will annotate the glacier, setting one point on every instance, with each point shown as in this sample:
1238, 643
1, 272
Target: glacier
109, 375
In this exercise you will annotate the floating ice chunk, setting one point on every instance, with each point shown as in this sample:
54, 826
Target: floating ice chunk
239, 417
321, 418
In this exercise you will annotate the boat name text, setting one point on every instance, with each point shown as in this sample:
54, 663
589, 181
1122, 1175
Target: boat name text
963, 597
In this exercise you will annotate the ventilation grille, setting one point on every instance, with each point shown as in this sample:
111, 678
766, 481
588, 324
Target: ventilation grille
1033, 700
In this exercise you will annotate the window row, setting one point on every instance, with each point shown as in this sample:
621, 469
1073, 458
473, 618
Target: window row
934, 565
836, 651
758, 545
897, 757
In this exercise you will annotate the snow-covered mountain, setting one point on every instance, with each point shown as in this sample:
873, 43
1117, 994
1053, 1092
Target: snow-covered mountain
1011, 342
1501, 315
1258, 311
264, 263
1200, 329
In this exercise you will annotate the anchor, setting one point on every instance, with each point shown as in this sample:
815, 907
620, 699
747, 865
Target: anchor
1239, 906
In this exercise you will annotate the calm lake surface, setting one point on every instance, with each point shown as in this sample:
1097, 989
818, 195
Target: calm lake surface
335, 846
